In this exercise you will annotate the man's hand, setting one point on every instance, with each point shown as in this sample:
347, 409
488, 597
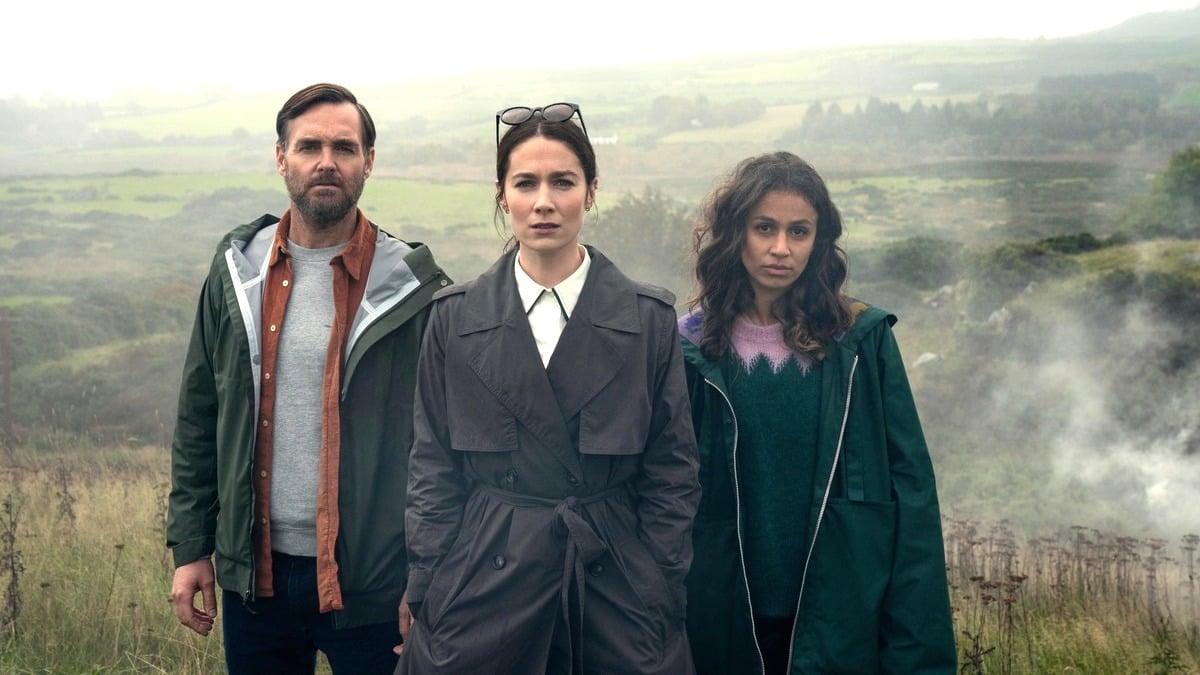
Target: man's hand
190, 579
406, 622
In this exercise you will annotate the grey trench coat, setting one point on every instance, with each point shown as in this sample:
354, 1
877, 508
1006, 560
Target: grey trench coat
550, 508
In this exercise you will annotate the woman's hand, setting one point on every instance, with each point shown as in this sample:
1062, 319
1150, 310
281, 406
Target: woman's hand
406, 622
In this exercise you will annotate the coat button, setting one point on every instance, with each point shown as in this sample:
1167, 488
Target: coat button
596, 569
498, 562
572, 480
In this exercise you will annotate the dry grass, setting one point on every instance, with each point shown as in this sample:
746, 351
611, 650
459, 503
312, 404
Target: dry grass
82, 535
1078, 601
95, 578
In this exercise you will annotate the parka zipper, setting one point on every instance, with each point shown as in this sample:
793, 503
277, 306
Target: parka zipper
246, 314
737, 499
812, 543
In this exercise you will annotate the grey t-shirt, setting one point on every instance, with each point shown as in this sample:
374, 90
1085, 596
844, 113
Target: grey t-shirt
300, 372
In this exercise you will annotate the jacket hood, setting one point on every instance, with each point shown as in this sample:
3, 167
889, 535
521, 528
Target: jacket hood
398, 272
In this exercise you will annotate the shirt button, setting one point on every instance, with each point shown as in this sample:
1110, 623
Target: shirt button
263, 473
285, 283
264, 520
272, 328
498, 562
266, 376
266, 423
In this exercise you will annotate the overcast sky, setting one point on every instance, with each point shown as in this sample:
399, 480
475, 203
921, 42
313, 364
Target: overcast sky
92, 49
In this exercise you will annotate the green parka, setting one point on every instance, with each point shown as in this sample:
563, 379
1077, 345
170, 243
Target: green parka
211, 504
873, 595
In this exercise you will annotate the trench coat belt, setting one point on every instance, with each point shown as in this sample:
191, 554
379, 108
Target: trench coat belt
584, 547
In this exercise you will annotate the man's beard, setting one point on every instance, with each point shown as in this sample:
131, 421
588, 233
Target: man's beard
324, 212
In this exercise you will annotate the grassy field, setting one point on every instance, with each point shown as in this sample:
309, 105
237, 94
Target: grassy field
154, 196
1073, 601
86, 579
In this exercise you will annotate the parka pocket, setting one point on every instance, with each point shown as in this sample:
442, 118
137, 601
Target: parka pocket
844, 588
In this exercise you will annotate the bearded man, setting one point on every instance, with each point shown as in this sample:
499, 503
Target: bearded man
290, 452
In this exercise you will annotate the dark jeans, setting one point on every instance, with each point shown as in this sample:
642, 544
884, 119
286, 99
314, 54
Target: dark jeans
281, 634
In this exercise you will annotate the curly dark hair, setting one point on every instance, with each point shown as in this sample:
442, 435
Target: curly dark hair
813, 310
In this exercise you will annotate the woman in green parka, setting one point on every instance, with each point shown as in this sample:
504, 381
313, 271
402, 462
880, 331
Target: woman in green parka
818, 542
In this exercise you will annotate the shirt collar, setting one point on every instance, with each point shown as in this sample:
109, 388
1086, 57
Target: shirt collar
355, 257
568, 289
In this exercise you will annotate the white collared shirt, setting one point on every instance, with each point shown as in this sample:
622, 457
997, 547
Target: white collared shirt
549, 308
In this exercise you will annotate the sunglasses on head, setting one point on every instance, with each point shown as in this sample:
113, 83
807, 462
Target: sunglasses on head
555, 112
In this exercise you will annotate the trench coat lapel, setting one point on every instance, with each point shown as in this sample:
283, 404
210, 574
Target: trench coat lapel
597, 338
499, 347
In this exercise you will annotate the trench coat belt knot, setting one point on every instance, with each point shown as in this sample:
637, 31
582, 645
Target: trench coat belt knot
583, 548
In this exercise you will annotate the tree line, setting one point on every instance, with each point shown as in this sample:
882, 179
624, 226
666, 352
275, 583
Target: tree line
1101, 112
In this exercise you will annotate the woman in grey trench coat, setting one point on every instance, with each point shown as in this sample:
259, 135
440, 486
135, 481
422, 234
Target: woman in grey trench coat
553, 475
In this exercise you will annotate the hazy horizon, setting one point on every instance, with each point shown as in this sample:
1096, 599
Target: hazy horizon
99, 50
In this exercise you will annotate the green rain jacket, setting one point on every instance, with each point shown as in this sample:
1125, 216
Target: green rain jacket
873, 595
211, 505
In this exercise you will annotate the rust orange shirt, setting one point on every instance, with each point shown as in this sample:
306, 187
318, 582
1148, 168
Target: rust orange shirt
350, 268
